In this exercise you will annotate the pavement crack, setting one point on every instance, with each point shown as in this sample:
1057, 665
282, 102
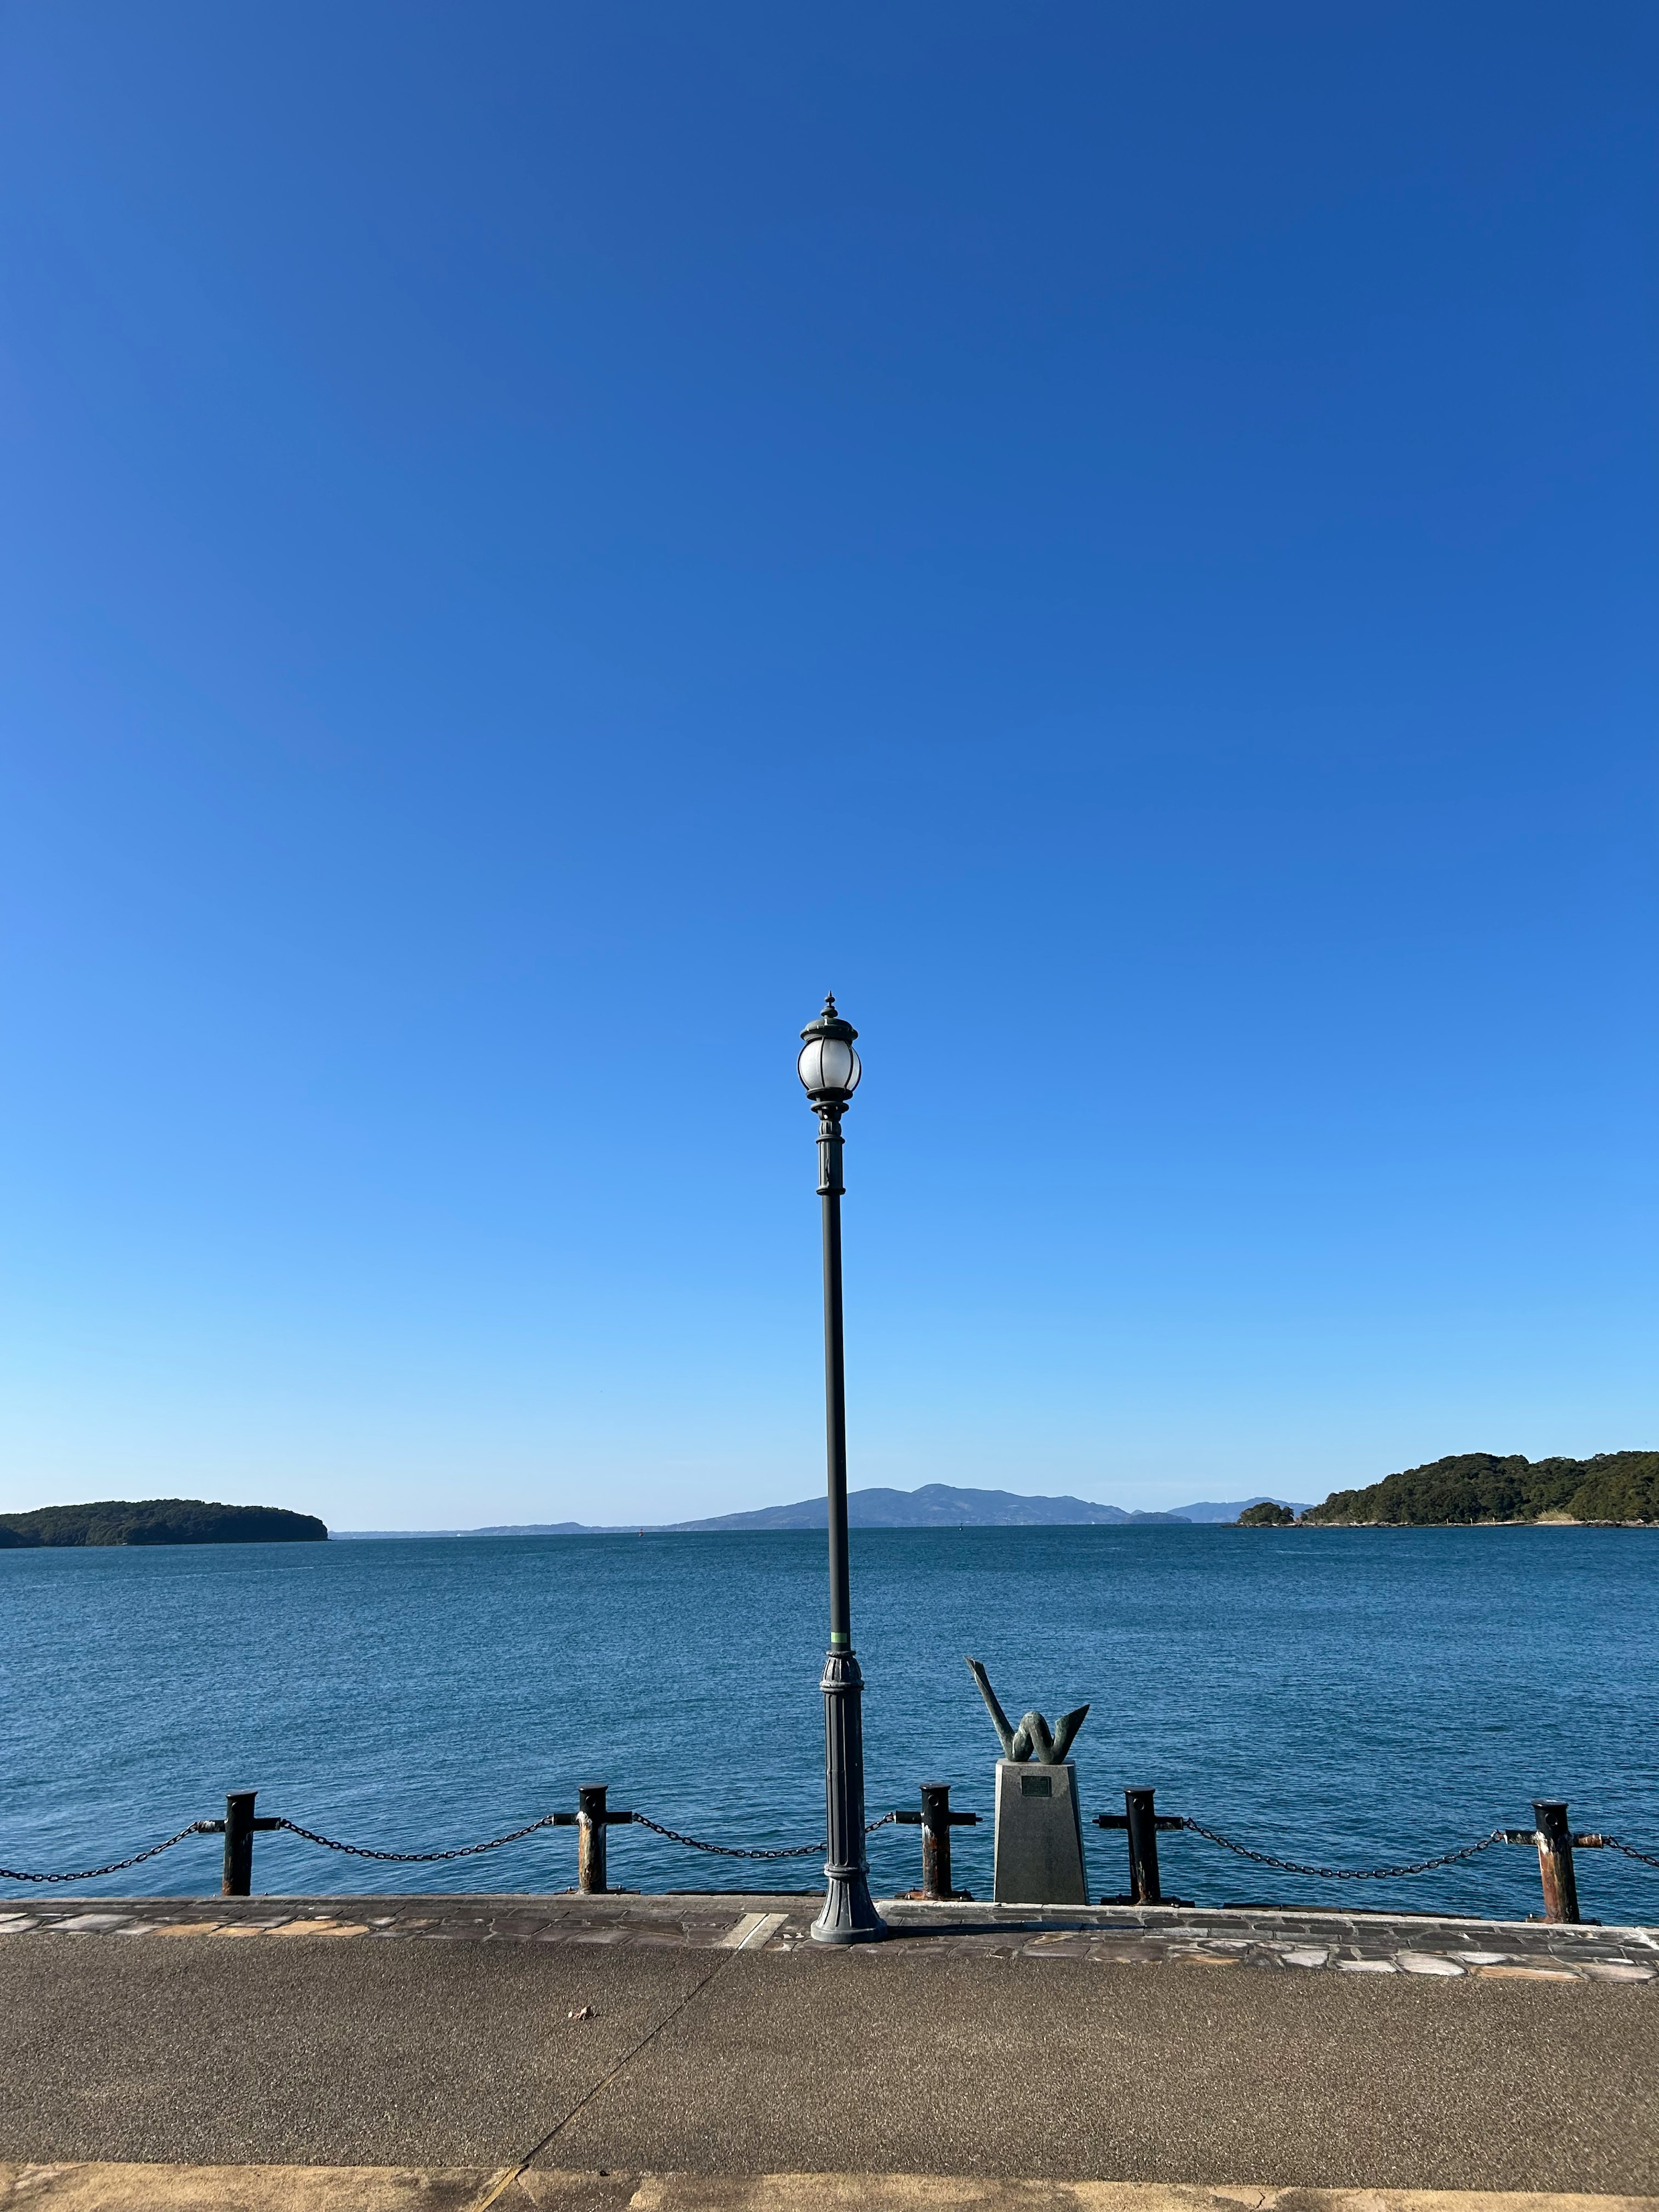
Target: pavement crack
501, 2183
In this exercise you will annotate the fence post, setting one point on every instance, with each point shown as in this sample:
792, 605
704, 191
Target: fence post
936, 1839
591, 1822
1143, 1847
238, 1877
937, 1822
1555, 1859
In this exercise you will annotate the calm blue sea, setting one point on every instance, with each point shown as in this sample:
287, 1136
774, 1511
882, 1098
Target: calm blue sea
1346, 1695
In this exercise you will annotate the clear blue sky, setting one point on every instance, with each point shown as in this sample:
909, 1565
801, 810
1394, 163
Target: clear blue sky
536, 538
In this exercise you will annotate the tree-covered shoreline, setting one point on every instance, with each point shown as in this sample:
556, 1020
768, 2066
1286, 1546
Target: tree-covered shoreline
1493, 1490
157, 1521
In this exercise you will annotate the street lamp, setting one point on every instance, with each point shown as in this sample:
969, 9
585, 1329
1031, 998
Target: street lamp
829, 1067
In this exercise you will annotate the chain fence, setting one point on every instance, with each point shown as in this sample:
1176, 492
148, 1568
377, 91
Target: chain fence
738, 1851
1389, 1872
729, 1851
116, 1866
432, 1858
1612, 1843
1346, 1873
418, 1858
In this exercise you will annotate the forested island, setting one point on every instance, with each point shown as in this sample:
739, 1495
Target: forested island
1470, 1488
158, 1521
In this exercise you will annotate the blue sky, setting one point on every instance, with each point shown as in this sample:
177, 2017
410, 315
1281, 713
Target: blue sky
537, 540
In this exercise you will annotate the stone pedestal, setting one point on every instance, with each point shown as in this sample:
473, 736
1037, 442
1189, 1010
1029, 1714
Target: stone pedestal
1039, 1849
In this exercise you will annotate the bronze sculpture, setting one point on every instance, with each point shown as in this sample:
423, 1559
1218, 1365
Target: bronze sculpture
1031, 1739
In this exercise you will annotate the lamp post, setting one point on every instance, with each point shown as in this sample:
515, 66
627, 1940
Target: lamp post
829, 1069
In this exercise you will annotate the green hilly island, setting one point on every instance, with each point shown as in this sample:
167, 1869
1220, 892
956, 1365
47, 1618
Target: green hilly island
158, 1521
1472, 1487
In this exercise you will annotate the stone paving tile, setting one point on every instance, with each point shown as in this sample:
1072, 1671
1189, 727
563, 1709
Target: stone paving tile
1255, 1938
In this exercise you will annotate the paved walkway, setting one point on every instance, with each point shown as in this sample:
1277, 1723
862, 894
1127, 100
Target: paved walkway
624, 2039
98, 2188
1117, 1934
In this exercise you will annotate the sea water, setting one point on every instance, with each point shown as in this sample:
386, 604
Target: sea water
1349, 1697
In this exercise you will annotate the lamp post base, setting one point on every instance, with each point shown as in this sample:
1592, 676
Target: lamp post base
849, 1913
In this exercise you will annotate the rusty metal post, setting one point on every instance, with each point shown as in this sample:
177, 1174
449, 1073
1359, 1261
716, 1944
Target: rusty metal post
238, 1878
592, 1821
1143, 1847
1554, 1860
937, 1822
936, 1839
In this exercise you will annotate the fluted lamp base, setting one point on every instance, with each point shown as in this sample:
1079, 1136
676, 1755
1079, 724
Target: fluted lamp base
849, 1913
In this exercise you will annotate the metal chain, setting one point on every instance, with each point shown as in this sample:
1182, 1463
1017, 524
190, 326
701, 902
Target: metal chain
729, 1851
733, 1851
1612, 1843
116, 1866
1346, 1873
413, 1858
420, 1858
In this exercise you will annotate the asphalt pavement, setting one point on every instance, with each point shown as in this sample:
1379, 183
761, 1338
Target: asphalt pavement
916, 2058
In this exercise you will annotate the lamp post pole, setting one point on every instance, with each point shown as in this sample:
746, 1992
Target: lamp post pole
828, 1067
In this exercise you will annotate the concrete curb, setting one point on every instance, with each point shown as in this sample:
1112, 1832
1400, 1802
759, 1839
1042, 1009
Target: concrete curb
92, 2187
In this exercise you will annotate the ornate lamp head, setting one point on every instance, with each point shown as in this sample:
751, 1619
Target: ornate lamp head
828, 1066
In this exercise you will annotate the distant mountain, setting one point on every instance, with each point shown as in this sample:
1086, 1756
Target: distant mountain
504, 1528
1211, 1511
935, 1505
1620, 1486
545, 1529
